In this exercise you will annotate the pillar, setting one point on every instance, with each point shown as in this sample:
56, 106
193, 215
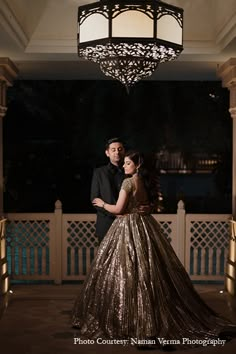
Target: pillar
227, 73
8, 72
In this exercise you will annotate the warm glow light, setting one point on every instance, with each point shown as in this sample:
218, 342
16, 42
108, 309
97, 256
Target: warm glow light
87, 32
132, 24
231, 264
168, 29
230, 286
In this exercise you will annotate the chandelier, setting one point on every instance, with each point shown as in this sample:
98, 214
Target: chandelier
129, 38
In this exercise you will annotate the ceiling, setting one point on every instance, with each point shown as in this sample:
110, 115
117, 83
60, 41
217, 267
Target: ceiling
40, 38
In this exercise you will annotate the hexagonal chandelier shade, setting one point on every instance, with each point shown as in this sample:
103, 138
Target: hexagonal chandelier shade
128, 38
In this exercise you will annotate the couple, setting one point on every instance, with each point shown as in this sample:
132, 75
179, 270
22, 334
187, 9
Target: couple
137, 288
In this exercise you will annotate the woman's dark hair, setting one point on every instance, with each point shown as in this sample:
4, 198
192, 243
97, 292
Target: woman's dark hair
149, 173
135, 156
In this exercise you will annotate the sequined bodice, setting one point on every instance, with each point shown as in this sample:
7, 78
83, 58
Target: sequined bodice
136, 198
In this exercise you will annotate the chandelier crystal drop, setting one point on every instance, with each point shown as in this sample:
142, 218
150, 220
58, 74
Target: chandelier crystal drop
128, 38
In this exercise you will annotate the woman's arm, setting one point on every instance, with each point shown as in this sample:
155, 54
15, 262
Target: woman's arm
117, 208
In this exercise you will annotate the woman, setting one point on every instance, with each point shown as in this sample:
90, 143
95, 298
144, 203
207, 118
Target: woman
137, 288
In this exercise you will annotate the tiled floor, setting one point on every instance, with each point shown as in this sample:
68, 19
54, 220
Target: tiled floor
37, 321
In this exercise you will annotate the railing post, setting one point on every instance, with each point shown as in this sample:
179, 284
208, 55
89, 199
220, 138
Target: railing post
4, 277
57, 263
181, 232
230, 276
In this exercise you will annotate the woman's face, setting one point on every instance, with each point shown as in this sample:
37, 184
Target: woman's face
129, 166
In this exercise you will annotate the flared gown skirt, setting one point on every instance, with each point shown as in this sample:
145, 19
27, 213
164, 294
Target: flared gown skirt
138, 288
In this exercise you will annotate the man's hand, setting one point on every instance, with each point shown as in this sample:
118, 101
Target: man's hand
98, 202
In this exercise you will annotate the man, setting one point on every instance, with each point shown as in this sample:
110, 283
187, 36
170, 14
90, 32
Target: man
106, 183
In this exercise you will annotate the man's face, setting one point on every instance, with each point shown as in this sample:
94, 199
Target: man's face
116, 152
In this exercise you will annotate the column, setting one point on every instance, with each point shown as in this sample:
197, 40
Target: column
8, 72
227, 72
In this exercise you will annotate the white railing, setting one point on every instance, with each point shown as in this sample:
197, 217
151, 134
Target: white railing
60, 247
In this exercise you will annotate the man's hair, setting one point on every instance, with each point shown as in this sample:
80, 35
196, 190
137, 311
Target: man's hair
114, 140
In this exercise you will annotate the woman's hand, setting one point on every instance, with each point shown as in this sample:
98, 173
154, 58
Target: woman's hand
144, 209
98, 202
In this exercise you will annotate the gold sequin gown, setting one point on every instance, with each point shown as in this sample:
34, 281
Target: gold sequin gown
138, 288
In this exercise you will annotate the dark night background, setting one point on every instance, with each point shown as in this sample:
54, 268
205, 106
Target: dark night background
55, 131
